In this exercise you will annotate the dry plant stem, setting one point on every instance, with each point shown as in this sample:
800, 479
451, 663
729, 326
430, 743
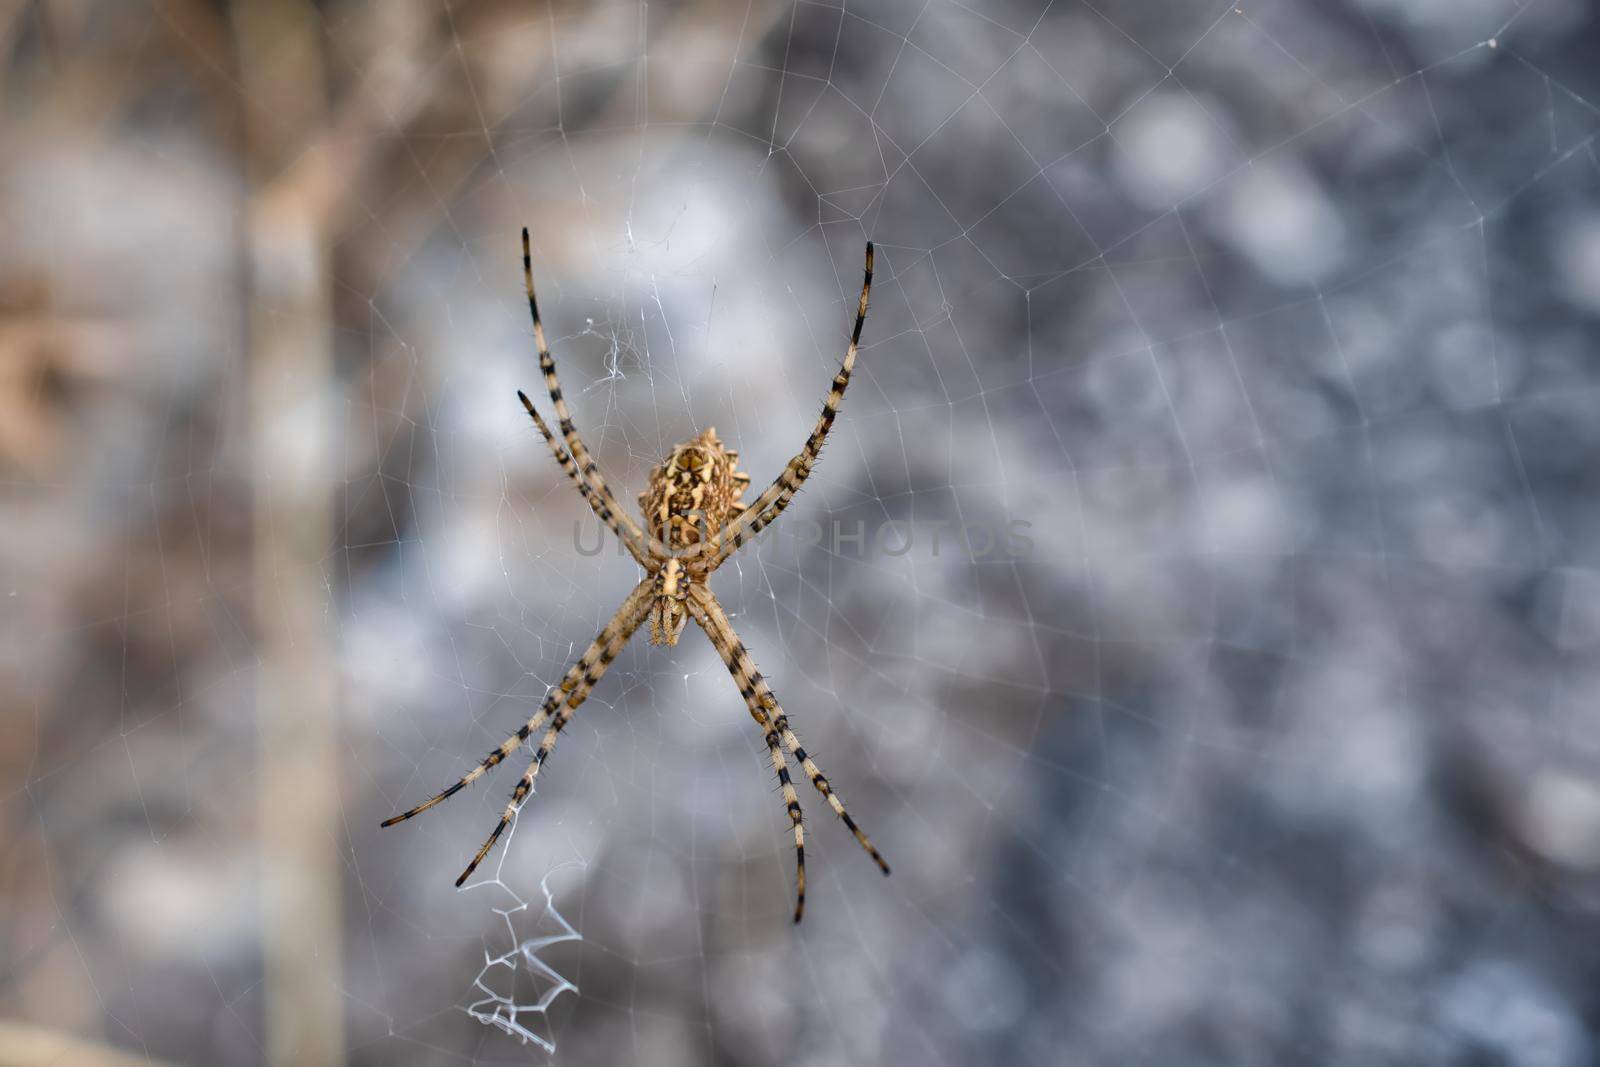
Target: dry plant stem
306, 159
25, 1045
290, 381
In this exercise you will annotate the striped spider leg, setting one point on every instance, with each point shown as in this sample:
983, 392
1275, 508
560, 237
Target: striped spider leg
768, 714
695, 520
573, 691
576, 461
770, 504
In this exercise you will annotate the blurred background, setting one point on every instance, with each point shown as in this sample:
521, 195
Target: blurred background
1276, 321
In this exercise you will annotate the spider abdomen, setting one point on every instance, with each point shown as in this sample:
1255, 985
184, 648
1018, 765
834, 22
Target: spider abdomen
694, 492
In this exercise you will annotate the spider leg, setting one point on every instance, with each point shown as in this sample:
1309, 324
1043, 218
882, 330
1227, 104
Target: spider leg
637, 550
581, 458
770, 504
791, 799
764, 705
598, 657
615, 633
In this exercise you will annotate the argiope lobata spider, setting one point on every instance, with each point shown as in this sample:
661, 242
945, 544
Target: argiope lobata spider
696, 521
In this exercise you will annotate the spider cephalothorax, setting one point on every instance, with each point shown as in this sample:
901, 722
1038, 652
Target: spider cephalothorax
695, 519
670, 608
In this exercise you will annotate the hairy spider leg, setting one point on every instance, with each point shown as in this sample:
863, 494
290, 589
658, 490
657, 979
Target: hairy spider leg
634, 536
641, 552
770, 504
637, 605
768, 713
579, 679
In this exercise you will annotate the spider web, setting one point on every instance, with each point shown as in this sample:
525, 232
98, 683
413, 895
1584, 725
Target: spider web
1271, 324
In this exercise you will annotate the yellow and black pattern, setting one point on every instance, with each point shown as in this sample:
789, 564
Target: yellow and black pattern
601, 509
695, 492
574, 689
770, 504
623, 525
768, 713
592, 666
695, 521
791, 800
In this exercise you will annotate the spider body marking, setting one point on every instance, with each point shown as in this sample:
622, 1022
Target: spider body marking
670, 610
693, 494
695, 519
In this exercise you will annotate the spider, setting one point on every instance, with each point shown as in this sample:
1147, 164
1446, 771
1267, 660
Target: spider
696, 520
